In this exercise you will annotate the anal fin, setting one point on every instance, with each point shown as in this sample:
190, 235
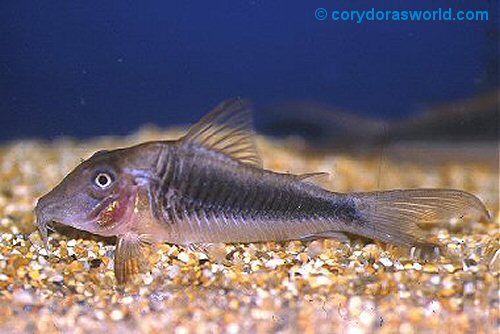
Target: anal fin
215, 251
342, 237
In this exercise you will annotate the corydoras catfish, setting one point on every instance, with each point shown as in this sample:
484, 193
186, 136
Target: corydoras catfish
209, 187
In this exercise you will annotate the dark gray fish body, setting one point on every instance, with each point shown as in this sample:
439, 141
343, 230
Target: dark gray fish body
208, 197
209, 187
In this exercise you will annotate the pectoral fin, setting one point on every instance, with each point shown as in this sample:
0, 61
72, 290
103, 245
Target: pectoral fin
130, 259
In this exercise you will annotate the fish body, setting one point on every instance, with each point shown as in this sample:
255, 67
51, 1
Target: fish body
210, 187
205, 196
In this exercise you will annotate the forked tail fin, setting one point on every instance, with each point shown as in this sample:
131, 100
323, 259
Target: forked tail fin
393, 216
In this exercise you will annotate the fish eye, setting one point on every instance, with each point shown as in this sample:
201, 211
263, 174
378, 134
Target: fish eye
103, 180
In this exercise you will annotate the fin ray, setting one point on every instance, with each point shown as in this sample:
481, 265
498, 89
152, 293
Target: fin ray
129, 257
227, 129
394, 216
336, 235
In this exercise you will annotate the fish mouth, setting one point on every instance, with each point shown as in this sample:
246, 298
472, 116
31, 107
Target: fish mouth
104, 218
43, 219
41, 223
44, 213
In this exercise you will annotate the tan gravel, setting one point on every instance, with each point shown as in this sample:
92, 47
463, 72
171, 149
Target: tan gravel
295, 287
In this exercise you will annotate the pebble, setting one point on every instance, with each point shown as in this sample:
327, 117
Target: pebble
273, 263
184, 257
127, 300
173, 271
57, 278
91, 255
435, 279
315, 248
430, 268
316, 281
116, 315
386, 262
469, 288
451, 268
147, 278
355, 303
23, 297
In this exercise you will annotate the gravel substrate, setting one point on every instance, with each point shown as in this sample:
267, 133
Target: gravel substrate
294, 287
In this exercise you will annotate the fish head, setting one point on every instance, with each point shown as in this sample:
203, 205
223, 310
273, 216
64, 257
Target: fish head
97, 197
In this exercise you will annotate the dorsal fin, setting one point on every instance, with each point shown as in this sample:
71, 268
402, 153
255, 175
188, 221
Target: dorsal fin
227, 129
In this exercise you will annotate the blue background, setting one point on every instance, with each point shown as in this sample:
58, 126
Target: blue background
85, 68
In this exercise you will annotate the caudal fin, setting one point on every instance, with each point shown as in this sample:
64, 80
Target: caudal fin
393, 216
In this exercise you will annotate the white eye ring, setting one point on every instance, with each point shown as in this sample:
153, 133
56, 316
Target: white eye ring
103, 180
